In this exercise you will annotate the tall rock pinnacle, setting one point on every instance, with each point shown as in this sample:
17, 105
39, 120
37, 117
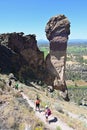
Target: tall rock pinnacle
57, 31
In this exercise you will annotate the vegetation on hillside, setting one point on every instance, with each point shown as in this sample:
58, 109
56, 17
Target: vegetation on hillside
15, 113
76, 64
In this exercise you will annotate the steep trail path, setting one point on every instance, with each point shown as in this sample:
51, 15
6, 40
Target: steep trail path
54, 121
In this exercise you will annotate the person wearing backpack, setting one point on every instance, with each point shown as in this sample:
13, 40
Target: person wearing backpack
47, 112
10, 83
37, 103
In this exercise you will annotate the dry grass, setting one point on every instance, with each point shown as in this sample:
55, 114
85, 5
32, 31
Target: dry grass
15, 113
72, 62
24, 114
66, 106
85, 57
11, 121
78, 82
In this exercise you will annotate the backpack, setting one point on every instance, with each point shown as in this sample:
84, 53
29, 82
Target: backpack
49, 112
16, 86
37, 101
10, 82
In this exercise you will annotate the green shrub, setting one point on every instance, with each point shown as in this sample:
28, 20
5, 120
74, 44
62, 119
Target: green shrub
58, 128
76, 94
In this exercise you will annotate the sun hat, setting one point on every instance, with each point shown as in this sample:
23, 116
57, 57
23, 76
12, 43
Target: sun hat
46, 106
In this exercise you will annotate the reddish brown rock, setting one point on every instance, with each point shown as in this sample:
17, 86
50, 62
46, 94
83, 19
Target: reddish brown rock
57, 31
20, 54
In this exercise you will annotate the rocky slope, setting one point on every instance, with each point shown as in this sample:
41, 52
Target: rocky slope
17, 113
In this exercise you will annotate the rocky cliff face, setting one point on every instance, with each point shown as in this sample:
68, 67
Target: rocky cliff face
19, 54
57, 31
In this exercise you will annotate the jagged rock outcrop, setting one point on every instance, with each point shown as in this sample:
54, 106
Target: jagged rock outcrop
19, 54
57, 31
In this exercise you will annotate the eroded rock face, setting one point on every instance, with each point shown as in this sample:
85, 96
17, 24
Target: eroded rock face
57, 31
19, 54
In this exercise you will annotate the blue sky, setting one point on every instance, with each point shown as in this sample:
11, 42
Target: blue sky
31, 16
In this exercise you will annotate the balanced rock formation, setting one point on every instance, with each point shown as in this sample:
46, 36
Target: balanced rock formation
57, 31
20, 55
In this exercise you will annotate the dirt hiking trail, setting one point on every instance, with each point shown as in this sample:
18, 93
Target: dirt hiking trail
54, 121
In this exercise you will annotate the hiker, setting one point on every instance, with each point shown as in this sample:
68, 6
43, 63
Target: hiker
37, 103
10, 83
47, 112
16, 86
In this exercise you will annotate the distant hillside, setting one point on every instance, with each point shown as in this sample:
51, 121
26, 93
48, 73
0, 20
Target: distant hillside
42, 42
77, 41
70, 41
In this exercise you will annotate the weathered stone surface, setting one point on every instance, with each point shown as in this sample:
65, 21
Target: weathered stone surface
57, 31
19, 54
57, 26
